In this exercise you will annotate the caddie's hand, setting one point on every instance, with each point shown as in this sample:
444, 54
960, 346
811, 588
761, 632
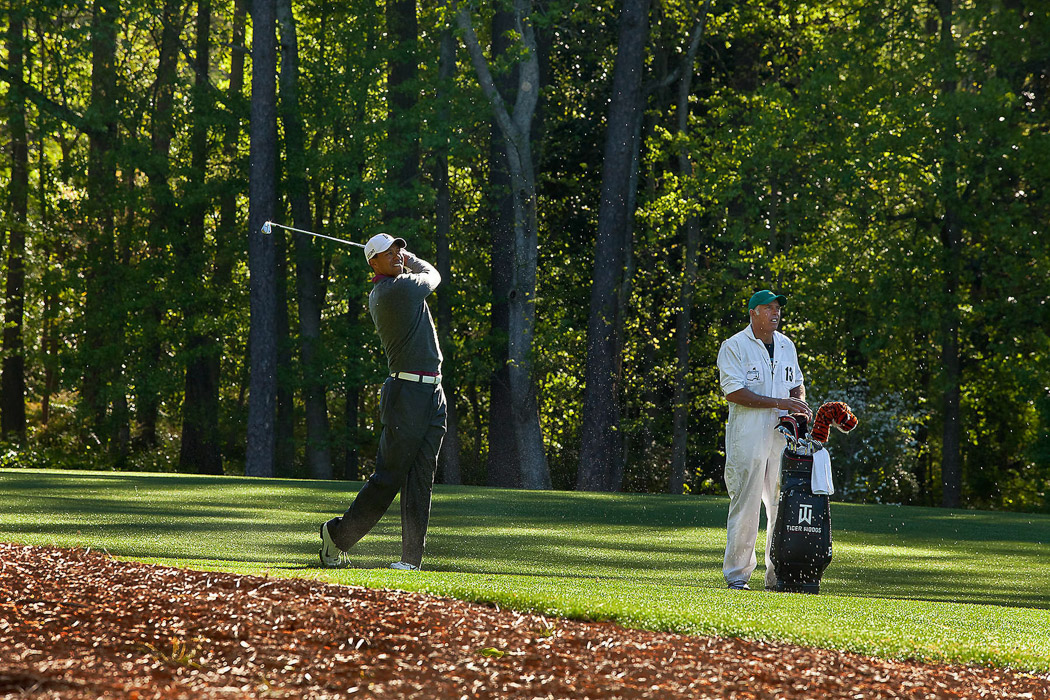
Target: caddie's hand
794, 405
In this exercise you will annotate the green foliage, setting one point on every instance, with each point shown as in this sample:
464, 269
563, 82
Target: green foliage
875, 462
825, 148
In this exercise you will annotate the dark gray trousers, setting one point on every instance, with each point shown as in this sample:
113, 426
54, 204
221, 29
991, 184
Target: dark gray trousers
413, 416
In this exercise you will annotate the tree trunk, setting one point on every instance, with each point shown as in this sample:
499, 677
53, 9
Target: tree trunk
683, 330
356, 316
100, 262
623, 296
951, 445
284, 431
403, 130
49, 345
262, 255
951, 241
504, 469
120, 416
352, 457
449, 462
683, 323
13, 381
206, 449
515, 126
601, 449
522, 326
163, 218
951, 454
922, 465
49, 335
309, 285
200, 447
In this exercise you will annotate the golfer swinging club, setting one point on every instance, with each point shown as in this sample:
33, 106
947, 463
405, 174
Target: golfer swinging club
761, 378
411, 407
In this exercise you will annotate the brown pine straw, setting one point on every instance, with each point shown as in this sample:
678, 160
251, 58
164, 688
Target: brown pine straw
80, 624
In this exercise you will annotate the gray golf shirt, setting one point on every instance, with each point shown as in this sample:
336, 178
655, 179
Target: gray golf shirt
399, 309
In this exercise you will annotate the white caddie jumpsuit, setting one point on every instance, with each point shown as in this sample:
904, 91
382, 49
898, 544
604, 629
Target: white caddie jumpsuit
753, 447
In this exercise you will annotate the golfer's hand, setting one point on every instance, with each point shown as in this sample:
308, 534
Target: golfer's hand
794, 405
411, 261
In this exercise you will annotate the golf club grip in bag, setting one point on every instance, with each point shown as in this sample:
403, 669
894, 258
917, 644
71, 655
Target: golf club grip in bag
801, 549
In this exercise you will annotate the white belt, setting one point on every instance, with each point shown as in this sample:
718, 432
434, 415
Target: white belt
413, 377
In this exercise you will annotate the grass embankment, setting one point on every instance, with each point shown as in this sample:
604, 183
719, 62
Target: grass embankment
958, 586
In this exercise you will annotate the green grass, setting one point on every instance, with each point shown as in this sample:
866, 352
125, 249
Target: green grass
923, 583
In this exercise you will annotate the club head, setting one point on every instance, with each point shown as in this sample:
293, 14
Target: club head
789, 423
792, 443
801, 423
266, 228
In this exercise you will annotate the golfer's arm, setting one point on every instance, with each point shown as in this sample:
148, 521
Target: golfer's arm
746, 397
799, 392
431, 278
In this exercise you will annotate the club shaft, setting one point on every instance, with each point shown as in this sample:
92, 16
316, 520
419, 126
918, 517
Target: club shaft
318, 235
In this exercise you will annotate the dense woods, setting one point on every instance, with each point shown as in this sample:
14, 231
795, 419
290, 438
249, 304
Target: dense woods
601, 185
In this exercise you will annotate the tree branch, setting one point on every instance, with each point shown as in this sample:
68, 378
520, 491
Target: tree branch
508, 126
685, 87
529, 70
213, 92
48, 105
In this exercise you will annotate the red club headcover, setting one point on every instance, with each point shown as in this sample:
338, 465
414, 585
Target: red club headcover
832, 413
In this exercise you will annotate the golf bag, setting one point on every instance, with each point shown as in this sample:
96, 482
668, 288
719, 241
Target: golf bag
801, 549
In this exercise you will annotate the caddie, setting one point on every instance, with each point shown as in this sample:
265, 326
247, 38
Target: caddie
761, 379
411, 407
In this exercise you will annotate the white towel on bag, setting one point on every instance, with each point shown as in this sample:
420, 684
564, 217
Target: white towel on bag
820, 479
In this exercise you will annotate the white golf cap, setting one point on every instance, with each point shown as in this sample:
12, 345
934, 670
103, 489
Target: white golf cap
379, 243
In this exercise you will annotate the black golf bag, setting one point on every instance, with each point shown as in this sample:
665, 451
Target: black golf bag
801, 549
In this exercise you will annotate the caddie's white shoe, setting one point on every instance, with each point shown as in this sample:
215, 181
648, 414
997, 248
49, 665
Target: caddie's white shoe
331, 556
404, 566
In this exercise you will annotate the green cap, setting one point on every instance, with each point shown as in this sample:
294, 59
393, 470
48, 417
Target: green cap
765, 297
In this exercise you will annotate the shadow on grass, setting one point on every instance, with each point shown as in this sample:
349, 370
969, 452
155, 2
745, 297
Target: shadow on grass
881, 551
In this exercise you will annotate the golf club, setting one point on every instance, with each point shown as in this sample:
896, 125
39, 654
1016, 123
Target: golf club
789, 428
267, 229
792, 440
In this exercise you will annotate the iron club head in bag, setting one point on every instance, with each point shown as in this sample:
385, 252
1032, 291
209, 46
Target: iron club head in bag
788, 426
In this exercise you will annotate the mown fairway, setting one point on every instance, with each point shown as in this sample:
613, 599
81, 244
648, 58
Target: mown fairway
905, 582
